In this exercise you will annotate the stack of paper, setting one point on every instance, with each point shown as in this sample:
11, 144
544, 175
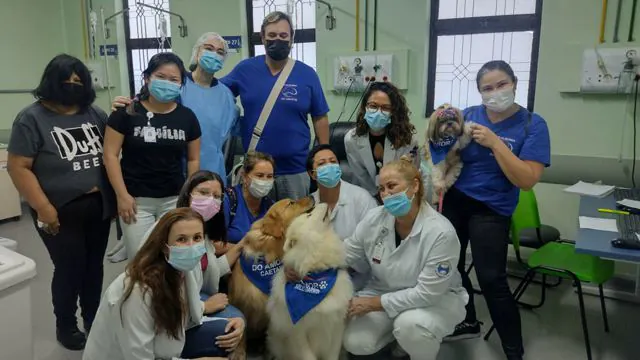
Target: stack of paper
598, 224
588, 189
633, 204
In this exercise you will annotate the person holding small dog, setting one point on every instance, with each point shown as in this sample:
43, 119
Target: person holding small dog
415, 295
510, 150
383, 133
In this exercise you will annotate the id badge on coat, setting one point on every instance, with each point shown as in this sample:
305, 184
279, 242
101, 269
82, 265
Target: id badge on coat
149, 134
378, 252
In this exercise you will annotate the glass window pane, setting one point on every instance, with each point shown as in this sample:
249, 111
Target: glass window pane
305, 52
145, 22
456, 9
140, 59
460, 57
303, 12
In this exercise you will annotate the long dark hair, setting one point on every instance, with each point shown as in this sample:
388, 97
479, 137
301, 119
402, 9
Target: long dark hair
216, 227
155, 62
157, 279
400, 131
59, 70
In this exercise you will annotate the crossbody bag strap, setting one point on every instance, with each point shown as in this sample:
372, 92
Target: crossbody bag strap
268, 106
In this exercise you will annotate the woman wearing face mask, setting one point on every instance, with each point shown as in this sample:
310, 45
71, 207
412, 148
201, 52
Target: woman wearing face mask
154, 135
510, 151
211, 100
66, 188
415, 295
247, 202
203, 193
144, 312
383, 133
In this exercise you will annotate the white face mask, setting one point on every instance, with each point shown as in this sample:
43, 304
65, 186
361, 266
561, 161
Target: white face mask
260, 188
499, 100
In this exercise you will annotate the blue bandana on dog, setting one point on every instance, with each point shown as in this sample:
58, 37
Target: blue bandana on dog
304, 295
259, 272
440, 149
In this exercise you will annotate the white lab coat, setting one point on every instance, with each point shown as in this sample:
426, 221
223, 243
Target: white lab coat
131, 336
416, 274
352, 206
361, 162
197, 281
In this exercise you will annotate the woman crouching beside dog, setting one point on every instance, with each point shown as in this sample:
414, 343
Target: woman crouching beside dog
143, 313
415, 295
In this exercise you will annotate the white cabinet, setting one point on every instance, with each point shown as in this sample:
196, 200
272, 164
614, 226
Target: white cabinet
9, 197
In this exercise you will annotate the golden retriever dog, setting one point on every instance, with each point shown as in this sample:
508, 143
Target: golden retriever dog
308, 317
250, 282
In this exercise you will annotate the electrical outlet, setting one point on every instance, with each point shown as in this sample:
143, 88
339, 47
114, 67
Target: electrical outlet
362, 69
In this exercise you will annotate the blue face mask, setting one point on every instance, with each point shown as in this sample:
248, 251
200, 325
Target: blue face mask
398, 204
377, 120
210, 61
329, 175
186, 258
164, 90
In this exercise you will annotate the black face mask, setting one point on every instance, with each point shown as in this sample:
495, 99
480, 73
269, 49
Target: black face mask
72, 94
277, 49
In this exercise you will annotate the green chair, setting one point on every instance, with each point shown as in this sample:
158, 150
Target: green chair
560, 259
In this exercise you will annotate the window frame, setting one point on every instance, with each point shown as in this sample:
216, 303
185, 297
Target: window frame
137, 44
482, 25
300, 36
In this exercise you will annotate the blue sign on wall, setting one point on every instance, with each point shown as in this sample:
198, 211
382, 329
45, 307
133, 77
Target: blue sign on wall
234, 43
112, 50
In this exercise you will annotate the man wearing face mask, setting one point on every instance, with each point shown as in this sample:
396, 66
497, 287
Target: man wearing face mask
301, 95
511, 148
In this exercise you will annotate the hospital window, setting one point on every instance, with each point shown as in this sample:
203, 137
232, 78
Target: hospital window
147, 32
465, 34
303, 15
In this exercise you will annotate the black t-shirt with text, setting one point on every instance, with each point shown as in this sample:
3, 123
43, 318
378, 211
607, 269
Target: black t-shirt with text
155, 169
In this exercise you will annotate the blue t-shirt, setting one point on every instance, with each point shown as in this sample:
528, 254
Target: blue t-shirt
481, 178
238, 227
286, 135
217, 113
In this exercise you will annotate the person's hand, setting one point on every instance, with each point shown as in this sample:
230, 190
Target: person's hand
120, 101
127, 208
291, 275
216, 303
484, 136
48, 216
360, 305
233, 334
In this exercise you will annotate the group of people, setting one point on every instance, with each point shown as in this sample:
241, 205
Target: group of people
156, 163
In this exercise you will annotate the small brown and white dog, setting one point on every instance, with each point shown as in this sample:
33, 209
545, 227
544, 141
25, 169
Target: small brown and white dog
250, 282
447, 135
308, 317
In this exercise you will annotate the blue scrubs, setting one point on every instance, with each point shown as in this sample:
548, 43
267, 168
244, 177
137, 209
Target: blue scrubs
238, 227
217, 114
287, 135
527, 135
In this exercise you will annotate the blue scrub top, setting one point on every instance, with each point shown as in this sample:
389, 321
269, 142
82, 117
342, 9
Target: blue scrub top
217, 114
286, 135
526, 134
242, 221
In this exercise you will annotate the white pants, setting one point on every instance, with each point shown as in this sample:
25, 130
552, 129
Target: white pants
418, 331
150, 210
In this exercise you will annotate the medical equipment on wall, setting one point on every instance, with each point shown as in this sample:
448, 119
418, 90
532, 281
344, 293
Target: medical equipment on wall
616, 27
93, 25
609, 71
163, 30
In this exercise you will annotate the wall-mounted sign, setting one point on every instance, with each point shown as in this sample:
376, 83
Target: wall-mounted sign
112, 50
234, 43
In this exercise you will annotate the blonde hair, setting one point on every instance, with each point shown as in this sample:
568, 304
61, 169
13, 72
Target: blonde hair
406, 168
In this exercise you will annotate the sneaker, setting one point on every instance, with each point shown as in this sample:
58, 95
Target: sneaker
465, 330
71, 339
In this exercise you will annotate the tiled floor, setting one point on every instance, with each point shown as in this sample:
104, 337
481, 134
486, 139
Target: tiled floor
551, 333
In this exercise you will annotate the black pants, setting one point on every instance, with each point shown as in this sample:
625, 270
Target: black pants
77, 253
488, 234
